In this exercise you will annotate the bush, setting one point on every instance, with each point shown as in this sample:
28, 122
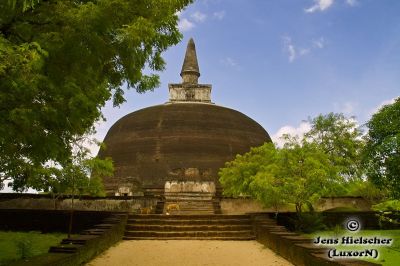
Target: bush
390, 205
309, 222
388, 213
24, 247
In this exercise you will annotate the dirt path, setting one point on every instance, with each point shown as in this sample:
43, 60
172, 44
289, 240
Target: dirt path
188, 253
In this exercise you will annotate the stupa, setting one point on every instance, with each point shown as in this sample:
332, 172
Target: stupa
183, 141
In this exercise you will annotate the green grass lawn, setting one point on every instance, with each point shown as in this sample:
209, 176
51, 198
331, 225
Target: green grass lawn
388, 255
13, 244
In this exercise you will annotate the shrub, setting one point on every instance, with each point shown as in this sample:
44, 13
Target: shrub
24, 247
390, 205
309, 222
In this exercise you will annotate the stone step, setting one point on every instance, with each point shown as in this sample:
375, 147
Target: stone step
64, 248
188, 194
207, 226
73, 241
188, 212
103, 226
199, 217
77, 240
241, 233
227, 238
178, 199
193, 207
186, 199
192, 210
188, 221
201, 227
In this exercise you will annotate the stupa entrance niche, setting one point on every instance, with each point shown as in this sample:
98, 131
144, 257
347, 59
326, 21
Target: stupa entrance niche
199, 187
189, 197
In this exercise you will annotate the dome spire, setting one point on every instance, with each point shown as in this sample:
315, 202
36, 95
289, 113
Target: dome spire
190, 90
190, 72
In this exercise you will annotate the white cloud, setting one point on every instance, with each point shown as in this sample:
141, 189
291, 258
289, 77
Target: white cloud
198, 16
289, 48
295, 52
304, 51
228, 61
377, 108
185, 25
292, 51
352, 2
319, 5
293, 131
319, 43
219, 15
346, 108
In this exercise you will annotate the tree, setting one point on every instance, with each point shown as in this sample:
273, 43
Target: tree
381, 156
253, 174
341, 139
60, 61
299, 173
81, 175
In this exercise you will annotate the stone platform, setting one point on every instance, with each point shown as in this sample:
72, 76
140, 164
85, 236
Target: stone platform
195, 227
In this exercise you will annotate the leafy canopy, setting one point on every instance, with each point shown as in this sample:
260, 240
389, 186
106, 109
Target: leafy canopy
299, 173
82, 175
382, 151
327, 158
60, 61
341, 139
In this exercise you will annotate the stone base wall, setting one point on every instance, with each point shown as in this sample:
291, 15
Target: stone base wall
350, 202
132, 204
119, 205
49, 220
241, 206
247, 205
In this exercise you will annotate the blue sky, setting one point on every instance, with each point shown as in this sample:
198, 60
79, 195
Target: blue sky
282, 61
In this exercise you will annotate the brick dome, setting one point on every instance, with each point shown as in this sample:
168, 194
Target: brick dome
177, 141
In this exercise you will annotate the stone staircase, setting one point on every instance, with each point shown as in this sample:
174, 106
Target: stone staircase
195, 227
191, 203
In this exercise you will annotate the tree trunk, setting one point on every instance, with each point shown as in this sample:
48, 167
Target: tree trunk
71, 216
298, 208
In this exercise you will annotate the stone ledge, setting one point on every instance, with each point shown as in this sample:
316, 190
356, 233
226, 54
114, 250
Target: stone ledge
295, 248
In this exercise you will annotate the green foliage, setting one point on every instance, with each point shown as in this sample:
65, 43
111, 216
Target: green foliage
81, 175
15, 244
337, 231
390, 205
298, 173
388, 212
23, 4
340, 138
309, 222
382, 151
365, 189
24, 247
60, 61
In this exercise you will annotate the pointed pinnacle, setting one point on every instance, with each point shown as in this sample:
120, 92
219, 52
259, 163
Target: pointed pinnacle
190, 65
